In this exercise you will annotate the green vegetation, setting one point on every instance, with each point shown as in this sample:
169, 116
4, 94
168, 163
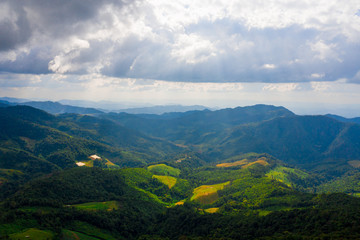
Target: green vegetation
109, 205
89, 230
164, 170
349, 184
286, 175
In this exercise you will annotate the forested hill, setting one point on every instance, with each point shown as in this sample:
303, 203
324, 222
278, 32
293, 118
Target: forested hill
50, 142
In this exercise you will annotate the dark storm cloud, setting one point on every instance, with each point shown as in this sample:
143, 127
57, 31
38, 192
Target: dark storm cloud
14, 30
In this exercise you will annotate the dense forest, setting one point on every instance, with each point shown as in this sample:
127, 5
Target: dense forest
258, 172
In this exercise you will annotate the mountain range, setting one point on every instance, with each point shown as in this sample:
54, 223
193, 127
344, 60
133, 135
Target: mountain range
256, 172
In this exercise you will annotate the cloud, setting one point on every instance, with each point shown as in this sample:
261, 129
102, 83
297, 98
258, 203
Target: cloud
317, 75
268, 66
281, 41
192, 49
287, 87
324, 51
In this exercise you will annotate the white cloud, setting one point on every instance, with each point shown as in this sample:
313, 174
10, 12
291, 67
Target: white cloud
282, 87
317, 75
63, 62
320, 86
268, 66
192, 49
325, 51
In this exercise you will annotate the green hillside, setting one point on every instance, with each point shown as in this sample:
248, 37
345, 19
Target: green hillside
164, 170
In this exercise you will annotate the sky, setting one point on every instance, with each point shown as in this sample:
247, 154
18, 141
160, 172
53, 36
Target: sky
300, 54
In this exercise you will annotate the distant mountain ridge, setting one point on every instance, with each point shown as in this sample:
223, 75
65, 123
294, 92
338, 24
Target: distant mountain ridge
343, 119
58, 108
158, 110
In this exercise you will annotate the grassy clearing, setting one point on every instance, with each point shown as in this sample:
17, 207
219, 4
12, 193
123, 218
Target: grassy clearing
72, 235
33, 233
244, 163
281, 174
164, 170
167, 180
207, 194
87, 230
211, 210
110, 205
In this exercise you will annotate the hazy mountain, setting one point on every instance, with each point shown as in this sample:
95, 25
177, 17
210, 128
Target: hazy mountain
58, 108
14, 100
4, 103
162, 109
107, 106
343, 119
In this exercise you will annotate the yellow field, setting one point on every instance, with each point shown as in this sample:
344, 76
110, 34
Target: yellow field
167, 180
180, 203
244, 163
108, 163
211, 210
207, 194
